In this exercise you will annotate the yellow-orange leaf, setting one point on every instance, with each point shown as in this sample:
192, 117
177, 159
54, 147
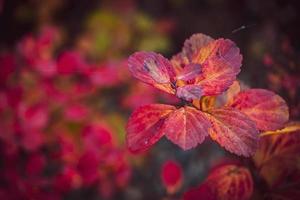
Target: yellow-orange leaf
278, 153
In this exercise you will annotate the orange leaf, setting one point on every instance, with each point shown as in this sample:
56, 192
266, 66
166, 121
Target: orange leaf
194, 43
220, 61
278, 153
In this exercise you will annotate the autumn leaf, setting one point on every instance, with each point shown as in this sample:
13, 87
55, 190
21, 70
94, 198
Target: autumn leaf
152, 68
70, 62
268, 110
144, 127
187, 127
194, 43
234, 131
220, 61
171, 176
230, 182
208, 67
278, 153
205, 68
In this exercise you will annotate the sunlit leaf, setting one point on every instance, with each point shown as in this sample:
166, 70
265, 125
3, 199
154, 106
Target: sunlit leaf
268, 110
220, 61
194, 43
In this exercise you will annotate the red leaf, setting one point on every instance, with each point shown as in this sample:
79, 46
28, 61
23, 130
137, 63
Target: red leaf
70, 62
191, 46
88, 167
186, 127
171, 175
234, 131
96, 137
144, 127
230, 182
67, 179
34, 117
153, 69
221, 62
268, 110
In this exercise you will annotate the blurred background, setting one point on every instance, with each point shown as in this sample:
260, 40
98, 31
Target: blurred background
66, 93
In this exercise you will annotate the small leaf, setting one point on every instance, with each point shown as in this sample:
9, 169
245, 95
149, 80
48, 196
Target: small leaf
187, 127
145, 124
234, 131
171, 175
230, 182
153, 69
268, 110
70, 62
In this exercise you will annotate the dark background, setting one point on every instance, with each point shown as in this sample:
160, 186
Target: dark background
267, 23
